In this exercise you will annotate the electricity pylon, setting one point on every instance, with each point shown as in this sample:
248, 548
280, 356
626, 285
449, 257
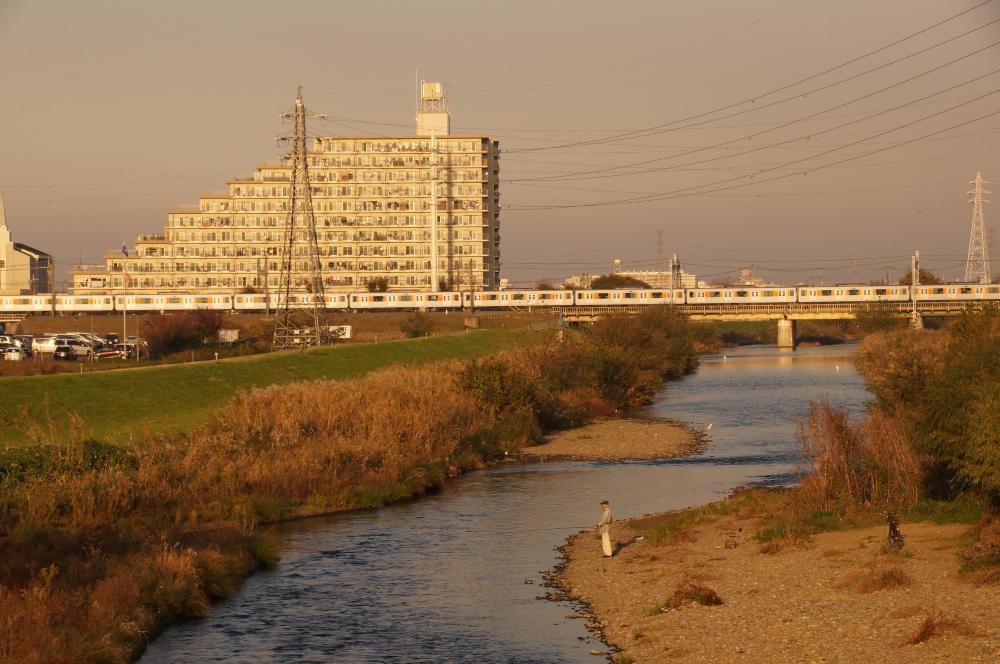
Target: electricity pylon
977, 265
299, 326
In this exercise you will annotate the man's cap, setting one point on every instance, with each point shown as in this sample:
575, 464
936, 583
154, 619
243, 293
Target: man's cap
604, 502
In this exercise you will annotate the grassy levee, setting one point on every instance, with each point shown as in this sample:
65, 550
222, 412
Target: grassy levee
121, 405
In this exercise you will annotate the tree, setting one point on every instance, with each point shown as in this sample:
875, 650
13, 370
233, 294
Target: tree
543, 284
377, 284
613, 281
927, 278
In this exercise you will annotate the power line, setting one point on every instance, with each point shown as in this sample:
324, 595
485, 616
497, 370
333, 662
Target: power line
793, 122
688, 191
656, 128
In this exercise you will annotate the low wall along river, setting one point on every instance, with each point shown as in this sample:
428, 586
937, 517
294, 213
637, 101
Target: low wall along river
457, 576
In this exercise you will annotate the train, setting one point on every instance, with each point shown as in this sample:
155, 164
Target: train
505, 299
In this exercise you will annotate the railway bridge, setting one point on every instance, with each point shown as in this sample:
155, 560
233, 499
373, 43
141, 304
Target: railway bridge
785, 313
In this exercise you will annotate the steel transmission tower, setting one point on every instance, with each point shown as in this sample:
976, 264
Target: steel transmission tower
977, 265
295, 326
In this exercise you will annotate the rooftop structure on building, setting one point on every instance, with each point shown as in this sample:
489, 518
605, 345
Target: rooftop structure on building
23, 270
372, 198
675, 277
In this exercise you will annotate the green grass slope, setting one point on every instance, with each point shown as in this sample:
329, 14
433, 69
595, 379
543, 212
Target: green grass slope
119, 405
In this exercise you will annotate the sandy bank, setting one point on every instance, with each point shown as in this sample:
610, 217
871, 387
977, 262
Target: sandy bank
618, 440
810, 603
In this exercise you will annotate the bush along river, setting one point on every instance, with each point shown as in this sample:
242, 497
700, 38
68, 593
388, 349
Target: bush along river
457, 576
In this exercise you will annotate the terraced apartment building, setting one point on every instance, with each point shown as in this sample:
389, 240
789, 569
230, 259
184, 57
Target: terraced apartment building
372, 199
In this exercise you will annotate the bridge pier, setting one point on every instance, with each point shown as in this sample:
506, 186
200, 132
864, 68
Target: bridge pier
786, 333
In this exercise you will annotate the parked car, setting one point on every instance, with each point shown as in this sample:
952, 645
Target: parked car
11, 352
111, 338
96, 342
27, 343
46, 343
64, 352
126, 351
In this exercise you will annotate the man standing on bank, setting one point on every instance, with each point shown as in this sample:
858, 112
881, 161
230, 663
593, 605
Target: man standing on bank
605, 527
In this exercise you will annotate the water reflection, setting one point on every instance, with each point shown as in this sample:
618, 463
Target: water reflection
455, 577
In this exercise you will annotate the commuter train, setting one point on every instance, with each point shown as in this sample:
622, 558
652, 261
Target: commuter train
506, 299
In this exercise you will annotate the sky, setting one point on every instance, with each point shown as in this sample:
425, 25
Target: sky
796, 136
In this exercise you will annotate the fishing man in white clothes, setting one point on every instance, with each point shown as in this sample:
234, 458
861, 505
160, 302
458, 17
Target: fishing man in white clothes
605, 527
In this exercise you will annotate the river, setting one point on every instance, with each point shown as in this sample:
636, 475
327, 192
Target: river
456, 576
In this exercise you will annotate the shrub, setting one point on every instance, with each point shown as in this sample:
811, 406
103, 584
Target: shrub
690, 591
869, 463
417, 324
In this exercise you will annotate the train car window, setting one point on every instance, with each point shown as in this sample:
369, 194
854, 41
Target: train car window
378, 298
964, 291
517, 296
602, 296
628, 296
853, 291
656, 295
742, 293
880, 291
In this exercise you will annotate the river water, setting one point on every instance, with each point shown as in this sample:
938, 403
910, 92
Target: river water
456, 576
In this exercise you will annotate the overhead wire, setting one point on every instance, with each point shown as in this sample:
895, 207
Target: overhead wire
671, 125
690, 191
790, 123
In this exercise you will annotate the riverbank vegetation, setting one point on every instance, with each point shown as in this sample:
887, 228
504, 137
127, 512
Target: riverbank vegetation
928, 448
102, 544
927, 452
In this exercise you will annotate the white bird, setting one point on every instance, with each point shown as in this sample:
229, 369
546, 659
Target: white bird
709, 427
724, 357
837, 368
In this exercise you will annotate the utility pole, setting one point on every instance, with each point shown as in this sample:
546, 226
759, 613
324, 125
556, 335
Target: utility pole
660, 264
50, 270
289, 319
914, 282
977, 265
472, 286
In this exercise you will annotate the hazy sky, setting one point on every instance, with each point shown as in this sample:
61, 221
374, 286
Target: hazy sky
115, 111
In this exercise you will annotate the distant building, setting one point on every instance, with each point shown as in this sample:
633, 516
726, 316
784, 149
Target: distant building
372, 198
674, 278
748, 279
23, 269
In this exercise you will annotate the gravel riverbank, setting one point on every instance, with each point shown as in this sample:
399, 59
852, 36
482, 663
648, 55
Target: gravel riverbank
618, 440
837, 598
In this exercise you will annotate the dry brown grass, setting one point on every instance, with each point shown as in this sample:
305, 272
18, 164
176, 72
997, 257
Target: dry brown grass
981, 559
936, 624
866, 463
876, 579
270, 454
690, 590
